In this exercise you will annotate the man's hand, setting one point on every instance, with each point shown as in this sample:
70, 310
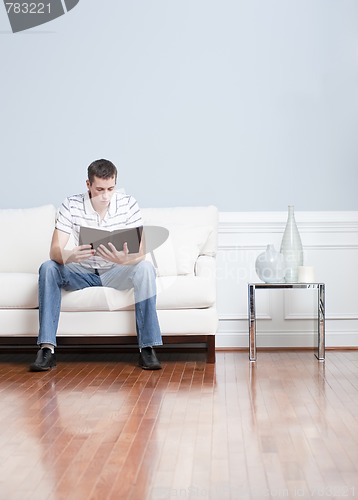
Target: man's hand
114, 255
59, 254
80, 253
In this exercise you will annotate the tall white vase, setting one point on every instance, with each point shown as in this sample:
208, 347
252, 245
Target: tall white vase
291, 247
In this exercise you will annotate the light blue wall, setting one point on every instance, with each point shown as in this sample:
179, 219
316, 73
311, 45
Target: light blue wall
246, 104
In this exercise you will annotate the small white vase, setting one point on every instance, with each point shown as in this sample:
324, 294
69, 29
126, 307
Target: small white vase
291, 247
270, 266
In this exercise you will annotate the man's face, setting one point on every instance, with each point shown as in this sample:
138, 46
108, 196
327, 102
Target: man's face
101, 192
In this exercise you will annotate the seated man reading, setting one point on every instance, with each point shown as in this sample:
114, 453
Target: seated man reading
101, 207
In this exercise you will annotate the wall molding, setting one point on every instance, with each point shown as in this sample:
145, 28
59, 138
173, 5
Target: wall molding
330, 242
341, 220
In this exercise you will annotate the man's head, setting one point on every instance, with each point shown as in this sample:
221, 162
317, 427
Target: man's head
101, 183
103, 169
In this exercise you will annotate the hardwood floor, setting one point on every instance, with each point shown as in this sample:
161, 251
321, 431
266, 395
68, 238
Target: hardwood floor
98, 427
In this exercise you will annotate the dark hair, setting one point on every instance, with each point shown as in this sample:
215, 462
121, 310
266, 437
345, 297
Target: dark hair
103, 169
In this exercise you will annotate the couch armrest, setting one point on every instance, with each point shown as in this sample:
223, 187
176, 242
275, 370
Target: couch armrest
205, 267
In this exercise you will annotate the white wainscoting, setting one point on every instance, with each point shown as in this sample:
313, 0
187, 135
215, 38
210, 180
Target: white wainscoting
287, 318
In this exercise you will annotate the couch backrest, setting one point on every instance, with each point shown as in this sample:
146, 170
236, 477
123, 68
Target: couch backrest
192, 231
187, 217
25, 238
26, 233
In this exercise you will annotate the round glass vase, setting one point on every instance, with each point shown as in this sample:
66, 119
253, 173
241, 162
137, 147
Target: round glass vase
270, 265
291, 247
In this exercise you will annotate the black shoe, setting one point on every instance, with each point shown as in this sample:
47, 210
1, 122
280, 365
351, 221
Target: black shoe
148, 359
45, 360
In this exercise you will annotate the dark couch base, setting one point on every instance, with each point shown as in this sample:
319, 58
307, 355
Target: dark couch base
197, 343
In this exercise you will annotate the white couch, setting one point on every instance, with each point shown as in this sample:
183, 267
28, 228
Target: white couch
101, 316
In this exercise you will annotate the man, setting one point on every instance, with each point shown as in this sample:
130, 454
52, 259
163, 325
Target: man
101, 207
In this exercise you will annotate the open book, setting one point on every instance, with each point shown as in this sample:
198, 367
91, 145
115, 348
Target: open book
96, 237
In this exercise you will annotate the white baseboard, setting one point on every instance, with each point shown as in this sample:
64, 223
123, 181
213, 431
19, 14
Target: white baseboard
304, 340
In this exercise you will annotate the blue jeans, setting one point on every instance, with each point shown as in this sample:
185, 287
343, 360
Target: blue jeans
141, 277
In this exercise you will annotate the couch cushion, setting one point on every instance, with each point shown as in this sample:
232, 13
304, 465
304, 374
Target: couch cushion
172, 293
18, 290
185, 292
28, 232
178, 254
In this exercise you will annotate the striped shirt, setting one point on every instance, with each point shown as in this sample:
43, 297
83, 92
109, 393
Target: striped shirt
77, 210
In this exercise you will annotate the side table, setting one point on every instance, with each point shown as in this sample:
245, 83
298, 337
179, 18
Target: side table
320, 287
